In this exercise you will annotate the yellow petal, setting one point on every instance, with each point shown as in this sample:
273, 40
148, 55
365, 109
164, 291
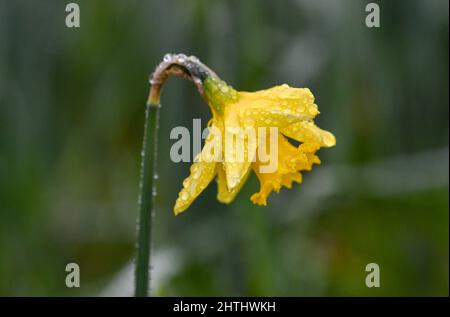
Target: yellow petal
279, 106
223, 194
239, 150
202, 171
307, 131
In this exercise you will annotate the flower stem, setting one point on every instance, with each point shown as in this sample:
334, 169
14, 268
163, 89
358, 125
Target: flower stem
146, 200
172, 65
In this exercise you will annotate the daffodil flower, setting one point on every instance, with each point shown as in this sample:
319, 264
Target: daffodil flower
290, 110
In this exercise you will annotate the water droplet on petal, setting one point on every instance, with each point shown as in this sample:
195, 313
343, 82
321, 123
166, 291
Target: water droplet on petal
196, 175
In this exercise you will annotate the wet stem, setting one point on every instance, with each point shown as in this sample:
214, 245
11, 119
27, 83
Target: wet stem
146, 201
172, 65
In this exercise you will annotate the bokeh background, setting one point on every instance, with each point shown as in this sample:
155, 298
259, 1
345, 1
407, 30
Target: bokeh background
71, 123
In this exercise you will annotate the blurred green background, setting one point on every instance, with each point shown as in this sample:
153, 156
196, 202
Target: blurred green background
71, 123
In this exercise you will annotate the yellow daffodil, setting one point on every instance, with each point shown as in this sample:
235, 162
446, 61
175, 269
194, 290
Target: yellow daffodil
290, 110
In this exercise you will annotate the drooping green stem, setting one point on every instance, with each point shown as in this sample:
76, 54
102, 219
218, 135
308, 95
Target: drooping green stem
146, 200
172, 65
